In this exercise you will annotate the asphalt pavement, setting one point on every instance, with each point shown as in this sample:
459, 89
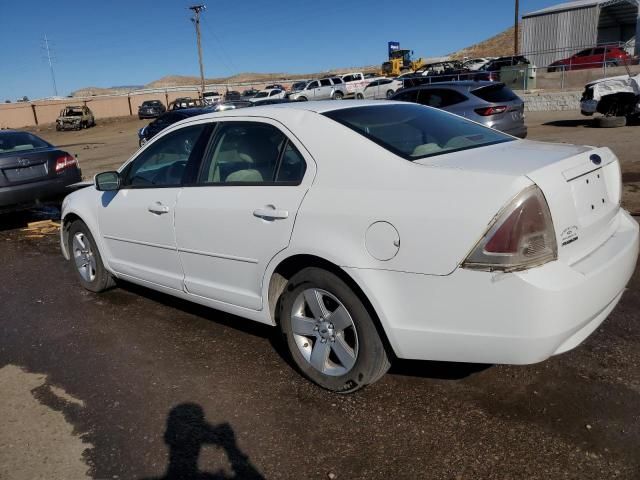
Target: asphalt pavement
133, 384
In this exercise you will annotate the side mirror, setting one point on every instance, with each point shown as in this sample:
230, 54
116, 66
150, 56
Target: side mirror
107, 181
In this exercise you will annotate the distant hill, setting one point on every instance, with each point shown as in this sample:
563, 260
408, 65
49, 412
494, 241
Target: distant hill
499, 45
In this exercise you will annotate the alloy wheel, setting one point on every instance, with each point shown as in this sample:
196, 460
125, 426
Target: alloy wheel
324, 332
84, 258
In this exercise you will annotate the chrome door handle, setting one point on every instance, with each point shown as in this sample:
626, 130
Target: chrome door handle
158, 208
270, 213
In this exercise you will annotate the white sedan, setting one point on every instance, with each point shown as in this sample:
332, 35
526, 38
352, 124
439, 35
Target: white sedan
268, 94
366, 231
379, 89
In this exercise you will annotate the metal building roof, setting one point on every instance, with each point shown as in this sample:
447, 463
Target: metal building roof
575, 4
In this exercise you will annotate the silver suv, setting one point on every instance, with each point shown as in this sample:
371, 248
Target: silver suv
330, 88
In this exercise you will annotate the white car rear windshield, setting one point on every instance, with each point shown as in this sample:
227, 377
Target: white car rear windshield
415, 131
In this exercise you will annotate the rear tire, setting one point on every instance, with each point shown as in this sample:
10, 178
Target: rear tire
611, 122
338, 96
330, 334
302, 99
87, 260
359, 96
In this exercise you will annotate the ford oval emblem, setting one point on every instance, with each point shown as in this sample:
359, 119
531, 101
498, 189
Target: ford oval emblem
596, 159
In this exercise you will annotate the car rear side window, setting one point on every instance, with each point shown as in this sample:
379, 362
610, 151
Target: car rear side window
251, 153
325, 82
440, 97
408, 96
495, 93
413, 132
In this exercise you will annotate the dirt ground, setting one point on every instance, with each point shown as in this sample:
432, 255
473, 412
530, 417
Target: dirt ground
113, 141
134, 384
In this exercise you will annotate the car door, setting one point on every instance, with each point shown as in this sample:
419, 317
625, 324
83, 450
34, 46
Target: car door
137, 220
371, 90
312, 91
241, 211
326, 90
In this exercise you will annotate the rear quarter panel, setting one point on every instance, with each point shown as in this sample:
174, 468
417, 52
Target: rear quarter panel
439, 213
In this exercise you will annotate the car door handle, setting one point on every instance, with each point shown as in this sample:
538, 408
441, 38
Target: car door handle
158, 208
270, 213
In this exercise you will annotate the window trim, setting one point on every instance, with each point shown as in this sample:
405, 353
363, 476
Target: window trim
194, 157
212, 143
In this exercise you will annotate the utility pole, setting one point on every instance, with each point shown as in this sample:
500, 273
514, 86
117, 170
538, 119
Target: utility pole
516, 27
53, 75
197, 9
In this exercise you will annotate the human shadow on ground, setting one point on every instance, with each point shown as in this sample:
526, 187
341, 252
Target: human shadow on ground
187, 432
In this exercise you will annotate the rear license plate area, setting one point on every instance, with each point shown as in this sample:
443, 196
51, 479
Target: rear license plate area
590, 194
25, 173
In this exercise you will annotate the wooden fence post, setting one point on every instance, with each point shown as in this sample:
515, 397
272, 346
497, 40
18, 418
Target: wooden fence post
35, 115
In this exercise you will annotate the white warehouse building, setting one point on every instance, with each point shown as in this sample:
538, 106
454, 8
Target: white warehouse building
560, 31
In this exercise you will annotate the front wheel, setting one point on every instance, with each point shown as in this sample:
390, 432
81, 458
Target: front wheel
330, 334
86, 257
302, 99
389, 94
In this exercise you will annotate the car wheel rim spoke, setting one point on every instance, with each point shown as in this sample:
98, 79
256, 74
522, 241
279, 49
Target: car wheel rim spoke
324, 332
344, 353
340, 318
303, 325
320, 355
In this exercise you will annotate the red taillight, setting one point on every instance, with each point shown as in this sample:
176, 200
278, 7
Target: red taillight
485, 112
521, 237
65, 161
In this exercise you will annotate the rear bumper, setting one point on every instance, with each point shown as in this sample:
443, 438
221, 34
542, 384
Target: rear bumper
142, 115
520, 131
515, 318
34, 192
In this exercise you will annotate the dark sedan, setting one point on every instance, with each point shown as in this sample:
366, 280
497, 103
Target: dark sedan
163, 121
33, 171
151, 109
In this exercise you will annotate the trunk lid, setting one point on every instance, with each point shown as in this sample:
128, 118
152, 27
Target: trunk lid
27, 166
581, 184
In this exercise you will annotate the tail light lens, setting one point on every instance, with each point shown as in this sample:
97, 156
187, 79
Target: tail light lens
485, 112
522, 236
65, 161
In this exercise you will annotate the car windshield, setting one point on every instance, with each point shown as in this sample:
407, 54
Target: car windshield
75, 112
262, 94
20, 141
414, 131
151, 103
298, 86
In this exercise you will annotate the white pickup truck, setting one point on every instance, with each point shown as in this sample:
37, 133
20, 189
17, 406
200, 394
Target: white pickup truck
354, 82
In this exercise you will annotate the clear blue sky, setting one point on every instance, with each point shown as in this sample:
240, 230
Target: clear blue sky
106, 43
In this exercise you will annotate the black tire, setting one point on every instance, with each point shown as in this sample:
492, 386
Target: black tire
611, 122
359, 96
371, 361
389, 94
338, 96
302, 99
102, 280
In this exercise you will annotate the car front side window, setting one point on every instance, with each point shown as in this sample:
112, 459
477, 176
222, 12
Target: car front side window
163, 163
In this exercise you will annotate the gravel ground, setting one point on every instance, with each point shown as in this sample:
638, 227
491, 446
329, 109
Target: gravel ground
154, 387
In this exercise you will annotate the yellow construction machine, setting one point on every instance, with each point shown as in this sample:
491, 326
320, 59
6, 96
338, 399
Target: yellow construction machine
400, 62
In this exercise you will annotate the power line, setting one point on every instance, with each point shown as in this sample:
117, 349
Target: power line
53, 75
197, 9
